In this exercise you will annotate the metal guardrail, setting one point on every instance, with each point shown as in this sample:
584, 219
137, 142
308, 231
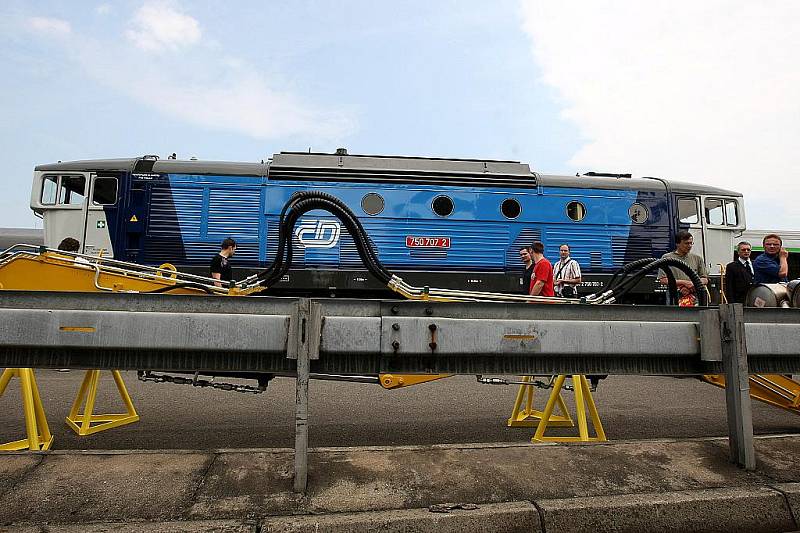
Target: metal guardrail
300, 336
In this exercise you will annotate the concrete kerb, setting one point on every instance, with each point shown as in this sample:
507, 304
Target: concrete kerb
731, 509
745, 509
791, 491
511, 517
622, 486
204, 526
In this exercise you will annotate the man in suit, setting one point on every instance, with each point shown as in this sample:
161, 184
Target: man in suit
739, 274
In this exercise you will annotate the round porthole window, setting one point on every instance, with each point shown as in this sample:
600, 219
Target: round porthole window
510, 208
638, 213
442, 206
372, 203
576, 211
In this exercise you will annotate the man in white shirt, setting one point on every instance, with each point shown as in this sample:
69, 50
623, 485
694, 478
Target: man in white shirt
566, 274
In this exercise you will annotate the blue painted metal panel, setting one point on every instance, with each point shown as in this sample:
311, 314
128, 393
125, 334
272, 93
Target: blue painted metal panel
201, 210
234, 212
176, 211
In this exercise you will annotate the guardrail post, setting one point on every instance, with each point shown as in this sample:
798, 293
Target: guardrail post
303, 345
737, 385
300, 334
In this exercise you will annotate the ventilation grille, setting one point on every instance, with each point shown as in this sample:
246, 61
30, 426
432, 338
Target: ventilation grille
160, 250
175, 211
627, 249
234, 213
428, 254
525, 238
298, 251
400, 176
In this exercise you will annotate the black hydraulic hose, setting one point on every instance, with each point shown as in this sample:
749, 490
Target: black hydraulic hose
672, 285
183, 285
360, 237
626, 269
626, 286
283, 238
270, 274
301, 203
356, 230
628, 283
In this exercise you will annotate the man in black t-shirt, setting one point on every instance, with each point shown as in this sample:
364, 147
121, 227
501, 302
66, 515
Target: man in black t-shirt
525, 257
221, 264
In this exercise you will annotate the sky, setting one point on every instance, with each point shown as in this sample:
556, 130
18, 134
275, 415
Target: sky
706, 92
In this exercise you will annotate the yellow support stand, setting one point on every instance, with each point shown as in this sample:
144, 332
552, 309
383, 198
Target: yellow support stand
530, 417
35, 420
87, 423
583, 401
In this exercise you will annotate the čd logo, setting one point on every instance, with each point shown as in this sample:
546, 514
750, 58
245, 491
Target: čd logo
316, 233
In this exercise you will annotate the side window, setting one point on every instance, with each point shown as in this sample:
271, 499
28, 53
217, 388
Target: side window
105, 191
576, 211
731, 213
49, 189
687, 211
715, 212
73, 190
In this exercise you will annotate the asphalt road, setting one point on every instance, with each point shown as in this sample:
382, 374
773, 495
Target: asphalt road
453, 410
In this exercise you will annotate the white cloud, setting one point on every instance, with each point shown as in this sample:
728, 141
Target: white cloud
103, 9
227, 94
699, 91
157, 26
48, 25
242, 103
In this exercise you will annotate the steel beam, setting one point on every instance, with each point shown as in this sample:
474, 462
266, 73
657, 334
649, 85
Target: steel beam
187, 333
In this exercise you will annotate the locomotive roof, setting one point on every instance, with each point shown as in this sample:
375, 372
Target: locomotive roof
374, 168
636, 184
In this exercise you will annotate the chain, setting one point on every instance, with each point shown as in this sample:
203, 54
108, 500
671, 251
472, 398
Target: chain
146, 375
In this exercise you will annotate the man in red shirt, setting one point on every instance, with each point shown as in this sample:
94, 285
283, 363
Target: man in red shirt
542, 279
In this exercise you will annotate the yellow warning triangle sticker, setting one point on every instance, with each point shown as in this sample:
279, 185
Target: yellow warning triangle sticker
134, 219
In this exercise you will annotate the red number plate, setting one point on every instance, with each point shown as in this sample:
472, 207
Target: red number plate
427, 242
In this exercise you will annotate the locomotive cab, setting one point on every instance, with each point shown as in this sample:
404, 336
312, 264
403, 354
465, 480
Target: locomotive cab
81, 205
715, 220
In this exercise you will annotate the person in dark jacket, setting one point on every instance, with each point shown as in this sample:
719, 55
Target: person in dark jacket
739, 274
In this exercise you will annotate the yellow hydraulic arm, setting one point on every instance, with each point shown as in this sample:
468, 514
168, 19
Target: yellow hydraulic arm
774, 389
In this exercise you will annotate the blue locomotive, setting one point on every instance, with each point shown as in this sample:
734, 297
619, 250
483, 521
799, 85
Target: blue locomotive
454, 223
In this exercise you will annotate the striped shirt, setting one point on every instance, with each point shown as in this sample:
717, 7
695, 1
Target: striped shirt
565, 269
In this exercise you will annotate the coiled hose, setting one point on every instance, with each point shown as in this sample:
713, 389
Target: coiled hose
303, 202
629, 281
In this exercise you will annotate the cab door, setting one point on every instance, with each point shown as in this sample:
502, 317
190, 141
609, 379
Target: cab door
60, 198
101, 211
689, 218
723, 221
